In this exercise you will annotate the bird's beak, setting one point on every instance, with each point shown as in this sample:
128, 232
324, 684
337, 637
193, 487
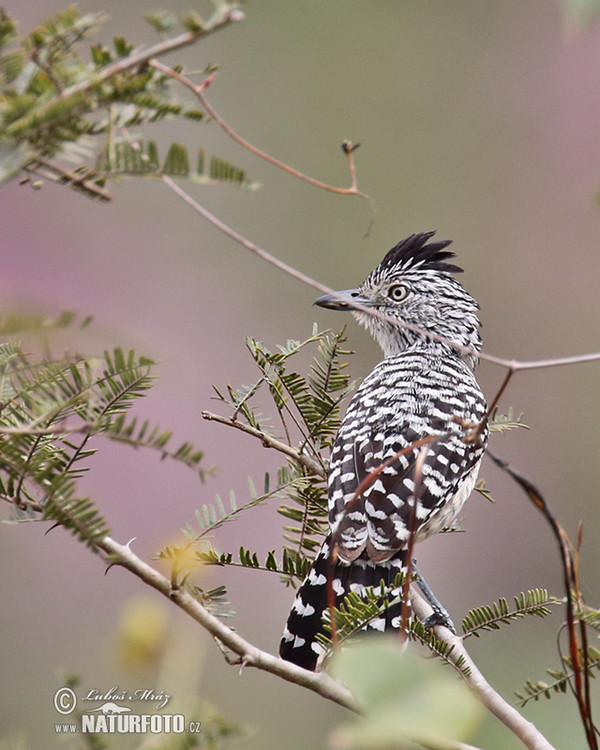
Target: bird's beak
346, 300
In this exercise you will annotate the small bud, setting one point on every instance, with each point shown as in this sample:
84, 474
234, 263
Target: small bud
348, 147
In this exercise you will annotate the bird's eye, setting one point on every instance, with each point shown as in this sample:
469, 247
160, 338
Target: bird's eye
397, 292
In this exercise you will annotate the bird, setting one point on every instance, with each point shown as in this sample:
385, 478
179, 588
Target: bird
409, 447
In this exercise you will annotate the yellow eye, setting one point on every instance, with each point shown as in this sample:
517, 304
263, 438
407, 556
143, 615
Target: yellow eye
397, 292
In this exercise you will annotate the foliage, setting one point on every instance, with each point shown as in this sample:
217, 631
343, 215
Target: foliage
355, 612
534, 602
406, 700
580, 14
126, 431
504, 422
137, 158
52, 410
560, 679
58, 101
308, 408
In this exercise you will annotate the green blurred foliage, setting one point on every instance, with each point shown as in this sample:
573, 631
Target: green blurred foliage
407, 699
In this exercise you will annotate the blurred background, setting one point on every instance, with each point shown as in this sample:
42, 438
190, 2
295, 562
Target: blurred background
475, 118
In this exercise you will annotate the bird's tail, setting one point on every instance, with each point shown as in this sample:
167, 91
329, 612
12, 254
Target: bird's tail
299, 642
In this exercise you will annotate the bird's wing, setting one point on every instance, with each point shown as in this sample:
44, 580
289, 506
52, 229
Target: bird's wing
374, 485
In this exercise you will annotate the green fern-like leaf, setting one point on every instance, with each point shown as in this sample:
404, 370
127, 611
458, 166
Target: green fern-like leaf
239, 402
77, 515
53, 93
310, 403
213, 515
177, 162
162, 21
354, 613
534, 690
130, 432
329, 385
129, 157
305, 404
504, 422
308, 513
191, 21
140, 158
308, 407
8, 28
182, 560
589, 615
490, 617
214, 600
292, 569
42, 459
418, 632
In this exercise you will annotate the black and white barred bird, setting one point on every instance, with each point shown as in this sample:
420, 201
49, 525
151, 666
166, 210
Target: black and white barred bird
423, 388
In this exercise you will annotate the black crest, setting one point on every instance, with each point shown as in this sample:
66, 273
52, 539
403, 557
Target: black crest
414, 252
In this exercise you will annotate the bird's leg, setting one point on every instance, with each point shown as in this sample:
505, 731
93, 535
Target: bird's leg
439, 616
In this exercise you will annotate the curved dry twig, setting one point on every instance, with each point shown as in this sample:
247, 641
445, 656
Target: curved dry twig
569, 562
309, 463
199, 89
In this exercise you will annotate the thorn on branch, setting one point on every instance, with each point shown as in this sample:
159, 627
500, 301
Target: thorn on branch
243, 663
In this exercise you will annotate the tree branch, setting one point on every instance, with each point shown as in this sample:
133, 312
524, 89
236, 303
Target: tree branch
222, 17
249, 655
319, 682
525, 730
313, 466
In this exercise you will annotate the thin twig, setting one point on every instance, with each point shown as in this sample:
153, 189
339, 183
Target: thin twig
313, 466
570, 581
250, 655
199, 89
512, 364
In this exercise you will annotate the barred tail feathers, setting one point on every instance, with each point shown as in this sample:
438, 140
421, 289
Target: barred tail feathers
299, 642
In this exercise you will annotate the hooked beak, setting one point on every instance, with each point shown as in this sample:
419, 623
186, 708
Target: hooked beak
346, 300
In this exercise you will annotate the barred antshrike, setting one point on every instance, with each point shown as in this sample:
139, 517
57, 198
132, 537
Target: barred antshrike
423, 388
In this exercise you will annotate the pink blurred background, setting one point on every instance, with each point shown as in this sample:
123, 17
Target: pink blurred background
478, 119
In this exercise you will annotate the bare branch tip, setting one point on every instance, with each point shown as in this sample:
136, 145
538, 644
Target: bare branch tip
206, 83
348, 147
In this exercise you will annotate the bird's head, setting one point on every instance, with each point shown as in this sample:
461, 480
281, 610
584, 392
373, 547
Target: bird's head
410, 294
